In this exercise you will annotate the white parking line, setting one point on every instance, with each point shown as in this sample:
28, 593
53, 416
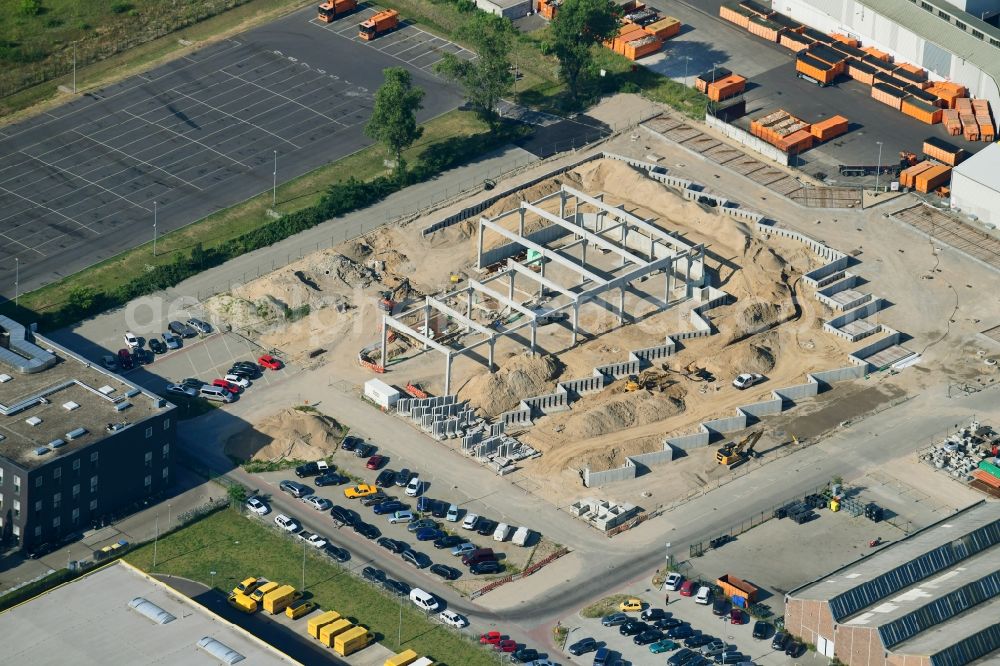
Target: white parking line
323, 115
152, 166
238, 119
167, 129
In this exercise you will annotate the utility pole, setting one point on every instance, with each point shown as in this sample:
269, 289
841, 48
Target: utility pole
878, 167
274, 186
303, 566
17, 280
156, 538
74, 67
154, 228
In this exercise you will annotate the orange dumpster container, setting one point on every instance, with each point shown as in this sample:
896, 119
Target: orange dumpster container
845, 39
734, 13
765, 29
796, 142
860, 71
813, 68
921, 110
943, 152
886, 94
644, 46
908, 175
665, 28
830, 128
931, 179
730, 86
794, 41
878, 55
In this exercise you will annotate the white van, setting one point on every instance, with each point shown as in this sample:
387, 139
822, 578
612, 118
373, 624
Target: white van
704, 595
216, 393
521, 536
501, 532
424, 600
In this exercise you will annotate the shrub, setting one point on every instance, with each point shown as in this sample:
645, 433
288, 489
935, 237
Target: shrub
121, 7
31, 7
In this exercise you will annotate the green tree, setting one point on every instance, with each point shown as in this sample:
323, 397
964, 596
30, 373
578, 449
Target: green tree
394, 118
488, 78
31, 7
81, 299
576, 28
237, 494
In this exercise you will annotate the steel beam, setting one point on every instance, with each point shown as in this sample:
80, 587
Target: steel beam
548, 284
582, 231
455, 314
392, 322
544, 251
500, 298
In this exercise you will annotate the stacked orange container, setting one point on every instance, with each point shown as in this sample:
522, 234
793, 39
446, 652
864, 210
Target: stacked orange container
845, 39
765, 29
727, 87
951, 122
931, 179
921, 110
665, 28
908, 176
734, 13
878, 55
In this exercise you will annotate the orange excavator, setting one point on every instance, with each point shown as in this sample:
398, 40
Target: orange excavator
331, 10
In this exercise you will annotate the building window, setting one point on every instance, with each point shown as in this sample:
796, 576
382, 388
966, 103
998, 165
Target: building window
1, 504
93, 458
993, 42
149, 458
926, 6
76, 516
149, 432
166, 424
56, 521
76, 490
166, 473
17, 508
56, 501
93, 505
38, 530
93, 483
149, 480
1, 476
38, 506
959, 25
166, 451
57, 473
17, 485
38, 481
16, 531
76, 465
977, 34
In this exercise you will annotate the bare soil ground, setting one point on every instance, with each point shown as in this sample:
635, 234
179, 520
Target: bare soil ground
291, 434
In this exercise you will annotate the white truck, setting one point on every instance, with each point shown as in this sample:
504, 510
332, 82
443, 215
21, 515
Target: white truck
521, 536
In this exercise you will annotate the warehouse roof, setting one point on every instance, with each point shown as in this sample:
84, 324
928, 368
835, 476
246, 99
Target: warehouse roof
984, 53
983, 167
119, 615
952, 632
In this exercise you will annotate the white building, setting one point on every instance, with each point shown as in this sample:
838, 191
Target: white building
512, 9
975, 185
950, 40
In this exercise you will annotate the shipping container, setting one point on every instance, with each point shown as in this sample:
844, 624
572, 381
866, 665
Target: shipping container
277, 600
830, 128
907, 74
628, 34
921, 110
794, 41
796, 142
701, 83
734, 13
951, 122
908, 175
987, 131
732, 85
887, 95
964, 105
352, 640
829, 55
922, 94
848, 50
789, 24
944, 152
639, 48
548, 8
756, 7
879, 65
818, 36
735, 587
814, 69
889, 79
320, 621
665, 28
932, 178
860, 71
329, 633
970, 128
844, 39
875, 53
765, 28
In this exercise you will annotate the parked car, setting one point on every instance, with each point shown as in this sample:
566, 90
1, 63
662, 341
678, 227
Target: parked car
386, 477
270, 362
689, 588
403, 477
373, 575
779, 640
403, 516
414, 487
673, 581
417, 559
524, 655
425, 504
364, 450
463, 549
131, 341
397, 587
648, 636
704, 595
680, 631
478, 555
420, 524
715, 647
632, 627
109, 362
486, 567
375, 461
295, 489
698, 640
719, 606
125, 359
729, 657
182, 330
453, 619
490, 638
286, 523
761, 629
376, 499
582, 646
319, 503
452, 515
337, 553
603, 656
735, 616
440, 510
631, 605
470, 521
199, 325
359, 490
350, 443
506, 645
794, 649
156, 346
486, 527
171, 340
663, 645
446, 572
180, 389
448, 541
668, 623
392, 545
389, 507
240, 380
615, 619
257, 506
330, 479
248, 368
342, 515
311, 468
312, 539
366, 530
223, 384
681, 657
747, 379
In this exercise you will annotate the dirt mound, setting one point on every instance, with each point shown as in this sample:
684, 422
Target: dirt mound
291, 433
625, 411
755, 318
760, 356
521, 377
614, 456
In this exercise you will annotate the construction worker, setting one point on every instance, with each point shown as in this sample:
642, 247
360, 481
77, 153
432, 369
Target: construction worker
666, 599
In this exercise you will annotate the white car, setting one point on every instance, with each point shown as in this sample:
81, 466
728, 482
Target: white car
318, 503
240, 381
258, 507
452, 515
315, 540
704, 595
747, 379
286, 523
401, 517
414, 486
131, 340
453, 619
180, 389
673, 582
171, 340
470, 521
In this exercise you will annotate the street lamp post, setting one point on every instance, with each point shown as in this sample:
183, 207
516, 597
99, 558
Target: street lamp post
878, 169
156, 537
154, 228
687, 59
17, 280
74, 67
274, 185
212, 574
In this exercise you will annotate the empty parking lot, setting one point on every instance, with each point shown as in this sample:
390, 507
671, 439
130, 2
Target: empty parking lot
78, 184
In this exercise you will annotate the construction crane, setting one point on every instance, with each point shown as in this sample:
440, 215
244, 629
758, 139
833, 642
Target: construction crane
733, 454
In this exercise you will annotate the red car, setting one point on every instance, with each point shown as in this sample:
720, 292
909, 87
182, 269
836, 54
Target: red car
506, 645
125, 359
735, 616
689, 588
229, 386
491, 638
268, 361
375, 462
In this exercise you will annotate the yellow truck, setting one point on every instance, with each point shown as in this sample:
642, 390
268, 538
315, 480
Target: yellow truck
329, 633
404, 658
320, 621
278, 600
258, 594
352, 640
242, 602
299, 608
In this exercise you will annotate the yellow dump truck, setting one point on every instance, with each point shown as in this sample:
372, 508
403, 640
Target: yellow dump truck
320, 621
352, 640
258, 594
277, 600
242, 602
329, 633
404, 658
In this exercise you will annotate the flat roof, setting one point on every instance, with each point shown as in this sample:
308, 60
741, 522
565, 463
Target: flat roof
906, 550
91, 616
983, 167
37, 410
956, 629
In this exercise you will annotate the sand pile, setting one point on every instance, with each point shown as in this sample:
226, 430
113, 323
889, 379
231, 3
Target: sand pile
520, 377
291, 434
625, 411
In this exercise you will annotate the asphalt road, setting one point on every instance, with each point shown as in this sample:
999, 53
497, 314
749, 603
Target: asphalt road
78, 184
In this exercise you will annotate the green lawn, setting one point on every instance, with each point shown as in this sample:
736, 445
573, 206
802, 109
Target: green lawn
237, 547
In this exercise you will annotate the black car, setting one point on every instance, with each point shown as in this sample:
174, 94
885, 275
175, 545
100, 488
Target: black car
668, 623
648, 636
403, 477
342, 515
485, 527
448, 541
680, 657
582, 646
680, 631
779, 640
632, 627
720, 607
245, 369
337, 553
761, 629
439, 509
40, 550
486, 567
309, 469
698, 640
396, 587
366, 530
373, 575
524, 655
730, 657
157, 346
377, 498
393, 545
191, 382
330, 479
651, 614
417, 559
386, 477
249, 366
389, 506
350, 443
364, 450
446, 572
182, 330
794, 649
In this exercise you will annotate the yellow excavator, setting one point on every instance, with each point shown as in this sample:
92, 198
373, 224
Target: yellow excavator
734, 454
650, 380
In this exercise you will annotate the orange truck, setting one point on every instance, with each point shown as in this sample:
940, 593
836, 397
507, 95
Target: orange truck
381, 23
333, 9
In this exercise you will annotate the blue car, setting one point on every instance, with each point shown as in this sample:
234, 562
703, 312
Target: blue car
429, 534
390, 506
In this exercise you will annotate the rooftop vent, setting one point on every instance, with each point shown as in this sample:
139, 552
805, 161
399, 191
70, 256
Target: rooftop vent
33, 421
70, 406
4, 378
122, 406
41, 450
56, 443
76, 434
115, 427
131, 393
220, 651
106, 390
152, 611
